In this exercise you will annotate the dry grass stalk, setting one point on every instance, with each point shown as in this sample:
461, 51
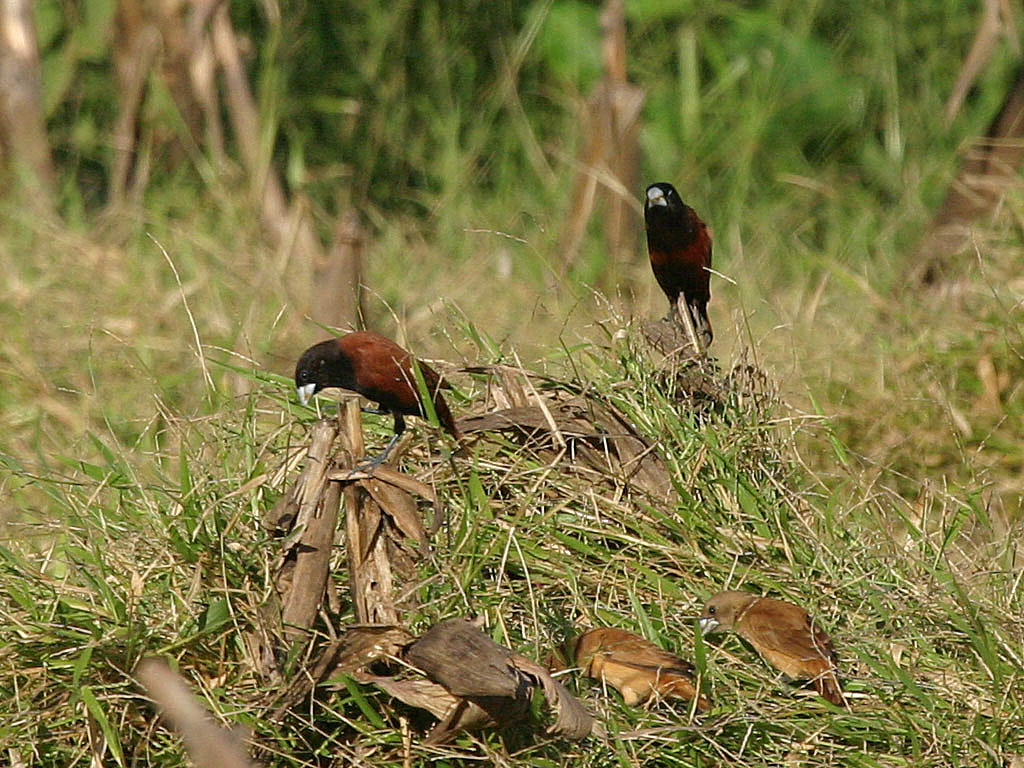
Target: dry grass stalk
590, 431
379, 511
207, 744
289, 229
472, 683
379, 514
672, 339
337, 280
610, 155
369, 569
22, 122
202, 70
171, 41
357, 647
682, 311
997, 18
305, 556
136, 45
625, 101
990, 167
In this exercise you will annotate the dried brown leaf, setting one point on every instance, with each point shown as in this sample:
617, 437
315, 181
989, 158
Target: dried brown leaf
572, 721
473, 667
594, 432
311, 555
400, 507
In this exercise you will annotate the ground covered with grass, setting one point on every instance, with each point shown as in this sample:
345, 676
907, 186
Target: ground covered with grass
141, 536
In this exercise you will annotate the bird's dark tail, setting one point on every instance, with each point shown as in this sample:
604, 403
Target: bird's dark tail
444, 416
681, 685
827, 684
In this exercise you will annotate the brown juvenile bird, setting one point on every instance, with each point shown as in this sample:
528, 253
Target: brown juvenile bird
635, 667
379, 370
679, 246
782, 633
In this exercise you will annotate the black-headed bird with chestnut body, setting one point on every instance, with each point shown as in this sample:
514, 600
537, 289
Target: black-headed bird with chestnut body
378, 369
679, 247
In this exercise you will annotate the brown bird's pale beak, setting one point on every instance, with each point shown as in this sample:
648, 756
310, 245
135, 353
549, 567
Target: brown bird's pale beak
707, 625
656, 197
305, 392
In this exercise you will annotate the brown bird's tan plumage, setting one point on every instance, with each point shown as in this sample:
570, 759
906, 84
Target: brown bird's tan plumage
635, 667
784, 635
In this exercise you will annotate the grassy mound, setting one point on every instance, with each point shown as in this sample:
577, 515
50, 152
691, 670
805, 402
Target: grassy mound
161, 552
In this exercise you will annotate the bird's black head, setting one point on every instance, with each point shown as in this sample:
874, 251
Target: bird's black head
670, 222
322, 365
662, 200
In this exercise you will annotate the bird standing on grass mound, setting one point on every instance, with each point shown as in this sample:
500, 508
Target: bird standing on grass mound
679, 246
379, 370
635, 667
782, 633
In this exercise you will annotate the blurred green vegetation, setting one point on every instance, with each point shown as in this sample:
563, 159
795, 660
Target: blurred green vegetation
809, 135
416, 107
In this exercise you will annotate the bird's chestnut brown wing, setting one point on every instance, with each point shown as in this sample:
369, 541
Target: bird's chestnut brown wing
382, 371
655, 658
635, 666
433, 379
704, 238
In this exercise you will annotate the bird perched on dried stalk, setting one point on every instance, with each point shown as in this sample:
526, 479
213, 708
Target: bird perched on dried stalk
381, 371
679, 247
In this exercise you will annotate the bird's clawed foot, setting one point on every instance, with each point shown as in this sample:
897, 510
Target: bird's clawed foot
371, 463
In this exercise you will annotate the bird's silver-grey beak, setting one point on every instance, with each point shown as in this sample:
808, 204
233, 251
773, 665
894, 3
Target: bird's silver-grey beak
656, 197
305, 392
707, 624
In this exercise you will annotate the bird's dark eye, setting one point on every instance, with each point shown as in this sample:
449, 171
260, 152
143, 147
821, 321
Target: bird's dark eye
711, 610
